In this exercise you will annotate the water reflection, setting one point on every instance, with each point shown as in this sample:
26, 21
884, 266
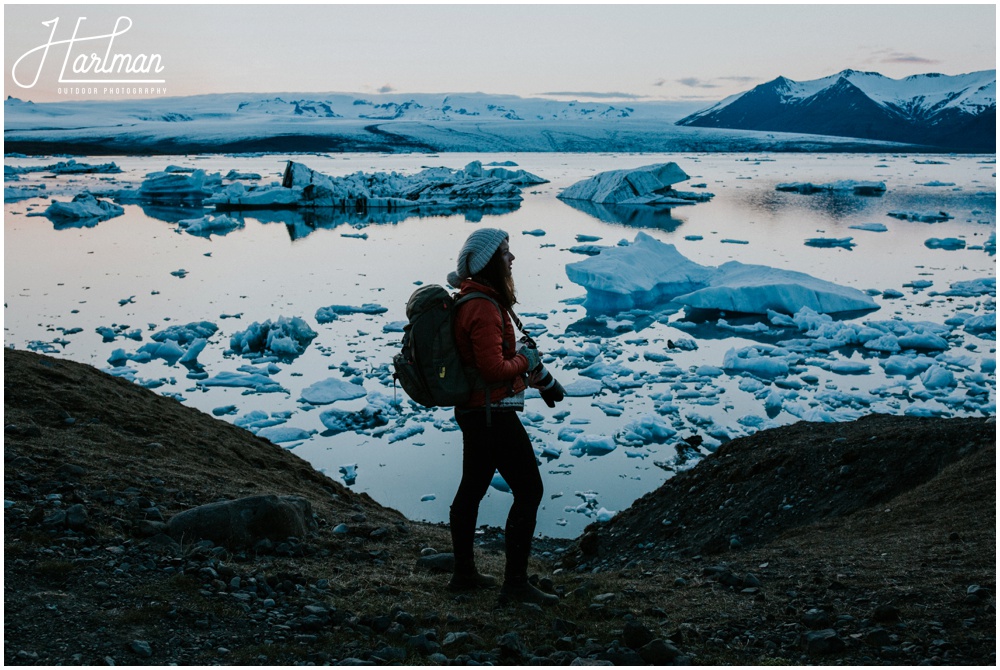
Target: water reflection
303, 222
635, 216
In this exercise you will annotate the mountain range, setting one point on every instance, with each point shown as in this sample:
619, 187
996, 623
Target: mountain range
850, 111
953, 113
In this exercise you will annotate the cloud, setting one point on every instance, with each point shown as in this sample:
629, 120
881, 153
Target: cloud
741, 79
694, 82
386, 89
888, 56
592, 94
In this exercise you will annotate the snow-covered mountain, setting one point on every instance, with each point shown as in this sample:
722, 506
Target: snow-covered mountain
947, 112
345, 122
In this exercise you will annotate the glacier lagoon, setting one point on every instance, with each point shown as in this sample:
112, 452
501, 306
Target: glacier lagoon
99, 292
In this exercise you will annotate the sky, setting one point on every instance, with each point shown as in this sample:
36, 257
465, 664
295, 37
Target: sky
678, 52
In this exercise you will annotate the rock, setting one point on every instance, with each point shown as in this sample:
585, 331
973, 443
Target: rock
444, 562
242, 523
636, 635
817, 619
579, 660
76, 517
512, 649
141, 648
659, 652
819, 642
885, 614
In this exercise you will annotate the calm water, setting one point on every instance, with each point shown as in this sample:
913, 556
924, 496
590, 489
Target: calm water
58, 280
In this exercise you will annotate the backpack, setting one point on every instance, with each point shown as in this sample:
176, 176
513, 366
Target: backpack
428, 366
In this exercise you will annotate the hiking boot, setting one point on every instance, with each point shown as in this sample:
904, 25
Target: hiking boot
470, 581
524, 592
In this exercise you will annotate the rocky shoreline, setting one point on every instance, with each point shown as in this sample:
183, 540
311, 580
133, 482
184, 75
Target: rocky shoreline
884, 555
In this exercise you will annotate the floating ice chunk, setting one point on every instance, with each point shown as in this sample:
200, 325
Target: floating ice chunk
428, 498
923, 341
641, 273
342, 421
168, 351
349, 473
923, 217
842, 367
592, 445
646, 430
224, 410
83, 210
972, 288
207, 226
604, 515
333, 312
537, 232
870, 227
176, 187
831, 242
186, 334
283, 434
856, 187
331, 390
750, 361
982, 324
259, 383
286, 338
644, 185
946, 243
499, 483
758, 289
550, 451
937, 377
402, 433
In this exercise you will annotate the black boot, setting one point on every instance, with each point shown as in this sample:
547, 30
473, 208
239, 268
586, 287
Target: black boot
470, 580
466, 577
520, 590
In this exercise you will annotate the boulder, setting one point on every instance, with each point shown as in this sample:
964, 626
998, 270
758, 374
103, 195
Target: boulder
243, 522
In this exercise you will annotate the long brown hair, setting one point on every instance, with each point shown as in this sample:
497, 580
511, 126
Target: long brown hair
497, 276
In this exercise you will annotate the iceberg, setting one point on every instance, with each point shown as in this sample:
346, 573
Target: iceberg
642, 273
433, 188
174, 187
650, 272
757, 289
648, 185
83, 211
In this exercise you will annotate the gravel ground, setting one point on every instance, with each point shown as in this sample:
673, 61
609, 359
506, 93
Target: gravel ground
870, 542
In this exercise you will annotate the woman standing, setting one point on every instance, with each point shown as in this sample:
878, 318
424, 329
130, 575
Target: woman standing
493, 438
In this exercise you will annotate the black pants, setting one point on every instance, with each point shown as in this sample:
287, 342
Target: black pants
503, 446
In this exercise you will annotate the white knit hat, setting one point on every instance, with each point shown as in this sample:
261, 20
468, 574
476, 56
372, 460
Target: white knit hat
476, 253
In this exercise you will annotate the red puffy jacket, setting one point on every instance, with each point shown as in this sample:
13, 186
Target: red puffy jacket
481, 332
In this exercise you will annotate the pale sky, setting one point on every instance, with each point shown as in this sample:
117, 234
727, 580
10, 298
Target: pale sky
652, 51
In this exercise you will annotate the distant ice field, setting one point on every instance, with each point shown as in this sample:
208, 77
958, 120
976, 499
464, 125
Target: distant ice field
100, 293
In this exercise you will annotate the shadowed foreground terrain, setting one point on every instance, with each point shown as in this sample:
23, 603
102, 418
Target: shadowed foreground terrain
870, 542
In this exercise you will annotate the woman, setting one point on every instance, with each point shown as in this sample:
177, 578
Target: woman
492, 435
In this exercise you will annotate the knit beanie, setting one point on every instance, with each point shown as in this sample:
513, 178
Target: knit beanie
476, 253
